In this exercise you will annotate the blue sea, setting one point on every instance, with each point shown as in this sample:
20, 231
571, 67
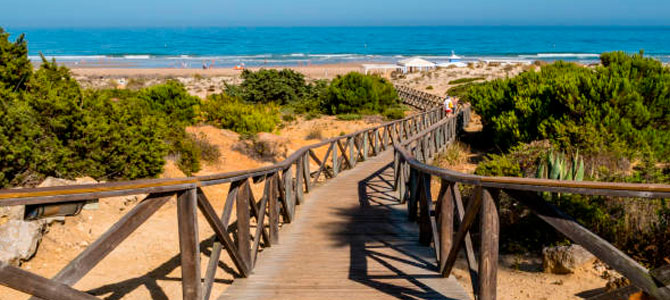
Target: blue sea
272, 46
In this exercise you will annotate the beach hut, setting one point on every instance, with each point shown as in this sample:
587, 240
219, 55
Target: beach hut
415, 64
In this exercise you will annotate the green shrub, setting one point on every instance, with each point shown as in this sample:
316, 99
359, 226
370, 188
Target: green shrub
348, 117
394, 113
265, 86
312, 115
15, 67
288, 117
466, 80
355, 92
53, 128
622, 106
430, 87
173, 100
226, 112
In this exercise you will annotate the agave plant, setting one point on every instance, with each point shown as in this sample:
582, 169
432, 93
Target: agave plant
558, 167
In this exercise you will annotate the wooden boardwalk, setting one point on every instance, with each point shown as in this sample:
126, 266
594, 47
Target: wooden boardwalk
350, 240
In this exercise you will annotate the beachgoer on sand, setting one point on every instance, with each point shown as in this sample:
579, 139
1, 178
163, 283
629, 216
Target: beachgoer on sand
448, 105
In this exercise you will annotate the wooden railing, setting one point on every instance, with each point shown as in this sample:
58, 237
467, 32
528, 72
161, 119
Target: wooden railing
418, 99
284, 186
413, 181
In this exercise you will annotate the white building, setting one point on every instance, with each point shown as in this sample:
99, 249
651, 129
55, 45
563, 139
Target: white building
415, 64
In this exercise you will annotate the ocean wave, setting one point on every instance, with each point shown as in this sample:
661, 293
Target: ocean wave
558, 55
137, 56
67, 57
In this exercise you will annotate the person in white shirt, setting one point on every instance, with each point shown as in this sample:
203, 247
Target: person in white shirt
448, 105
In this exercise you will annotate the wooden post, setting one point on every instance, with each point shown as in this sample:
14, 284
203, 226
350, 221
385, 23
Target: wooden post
352, 158
335, 164
488, 253
299, 193
365, 146
243, 226
425, 232
411, 204
273, 210
306, 173
445, 219
189, 244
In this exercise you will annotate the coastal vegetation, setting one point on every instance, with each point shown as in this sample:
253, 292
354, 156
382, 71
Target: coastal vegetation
611, 123
358, 93
53, 127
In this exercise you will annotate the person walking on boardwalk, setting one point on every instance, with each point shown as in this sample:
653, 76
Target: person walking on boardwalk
448, 105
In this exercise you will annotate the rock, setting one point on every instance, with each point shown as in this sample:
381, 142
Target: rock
19, 240
53, 181
565, 259
8, 213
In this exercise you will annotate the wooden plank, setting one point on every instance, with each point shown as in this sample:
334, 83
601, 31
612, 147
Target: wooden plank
610, 255
38, 286
488, 253
189, 244
109, 240
463, 228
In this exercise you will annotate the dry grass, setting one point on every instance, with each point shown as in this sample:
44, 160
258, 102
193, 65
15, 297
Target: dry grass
315, 133
454, 154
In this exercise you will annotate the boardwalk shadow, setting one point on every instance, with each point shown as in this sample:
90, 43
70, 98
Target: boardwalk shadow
150, 280
385, 251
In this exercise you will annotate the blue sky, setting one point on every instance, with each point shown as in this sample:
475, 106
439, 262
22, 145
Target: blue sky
119, 13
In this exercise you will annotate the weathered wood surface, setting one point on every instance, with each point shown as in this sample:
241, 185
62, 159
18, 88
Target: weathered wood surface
350, 240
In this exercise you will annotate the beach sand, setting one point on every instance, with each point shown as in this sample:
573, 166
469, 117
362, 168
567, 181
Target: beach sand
311, 71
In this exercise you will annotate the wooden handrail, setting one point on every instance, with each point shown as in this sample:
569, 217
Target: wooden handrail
9, 197
411, 167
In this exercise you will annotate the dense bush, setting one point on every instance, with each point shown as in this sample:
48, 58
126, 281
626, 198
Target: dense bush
394, 113
623, 106
171, 99
265, 86
231, 113
52, 128
358, 93
348, 117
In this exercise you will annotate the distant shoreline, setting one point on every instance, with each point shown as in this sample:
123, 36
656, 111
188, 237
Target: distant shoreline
312, 71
